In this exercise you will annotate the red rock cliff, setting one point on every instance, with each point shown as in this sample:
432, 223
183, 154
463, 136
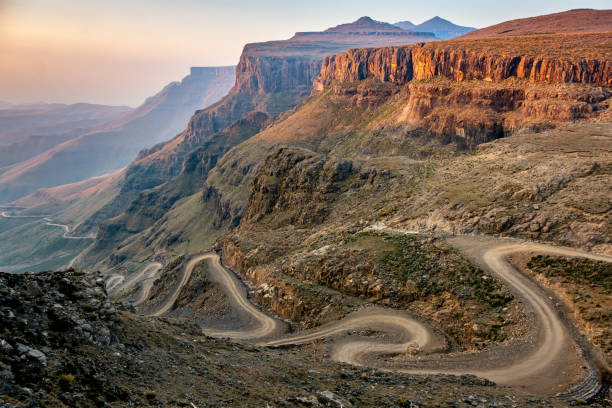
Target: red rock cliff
473, 60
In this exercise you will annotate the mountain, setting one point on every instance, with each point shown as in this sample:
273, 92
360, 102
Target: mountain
20, 122
572, 21
271, 78
443, 29
346, 200
364, 25
418, 101
405, 25
113, 144
407, 194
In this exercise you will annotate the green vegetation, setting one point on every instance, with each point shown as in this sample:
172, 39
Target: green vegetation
596, 274
434, 270
29, 245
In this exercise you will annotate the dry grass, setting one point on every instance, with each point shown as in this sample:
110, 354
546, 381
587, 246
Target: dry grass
591, 46
572, 21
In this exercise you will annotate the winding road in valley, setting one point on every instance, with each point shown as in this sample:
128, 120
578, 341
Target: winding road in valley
49, 222
548, 360
187, 270
116, 283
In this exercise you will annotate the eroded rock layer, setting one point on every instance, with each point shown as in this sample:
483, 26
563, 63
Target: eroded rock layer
464, 60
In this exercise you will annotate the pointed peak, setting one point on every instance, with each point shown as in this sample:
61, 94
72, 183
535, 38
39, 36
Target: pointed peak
437, 20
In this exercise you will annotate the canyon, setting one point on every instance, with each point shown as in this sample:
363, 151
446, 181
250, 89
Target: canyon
113, 144
364, 188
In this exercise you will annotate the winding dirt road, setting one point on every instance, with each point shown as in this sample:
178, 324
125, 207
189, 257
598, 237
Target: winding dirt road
117, 283
169, 302
50, 223
547, 361
66, 229
265, 325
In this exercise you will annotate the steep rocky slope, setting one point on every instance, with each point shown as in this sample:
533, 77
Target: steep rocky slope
151, 205
115, 143
572, 21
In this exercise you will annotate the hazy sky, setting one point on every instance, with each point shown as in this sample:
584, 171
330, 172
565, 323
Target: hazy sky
121, 51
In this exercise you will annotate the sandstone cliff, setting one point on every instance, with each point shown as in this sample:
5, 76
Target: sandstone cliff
475, 91
463, 60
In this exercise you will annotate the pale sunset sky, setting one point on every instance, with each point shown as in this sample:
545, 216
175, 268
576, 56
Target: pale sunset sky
121, 51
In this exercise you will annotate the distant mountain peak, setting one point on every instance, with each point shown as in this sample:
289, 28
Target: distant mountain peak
438, 22
405, 25
441, 27
364, 23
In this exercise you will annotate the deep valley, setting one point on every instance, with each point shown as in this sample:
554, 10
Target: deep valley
371, 215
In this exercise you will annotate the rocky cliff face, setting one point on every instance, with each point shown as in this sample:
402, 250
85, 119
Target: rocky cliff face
262, 74
465, 62
466, 91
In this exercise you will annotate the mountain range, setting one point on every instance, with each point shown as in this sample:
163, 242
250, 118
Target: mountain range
73, 153
365, 196
441, 28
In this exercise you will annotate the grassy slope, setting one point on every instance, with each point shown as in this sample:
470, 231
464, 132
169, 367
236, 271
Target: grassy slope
586, 288
30, 245
572, 21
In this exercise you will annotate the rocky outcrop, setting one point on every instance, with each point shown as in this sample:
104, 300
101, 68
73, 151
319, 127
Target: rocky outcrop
475, 115
302, 303
42, 313
401, 65
297, 185
468, 96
